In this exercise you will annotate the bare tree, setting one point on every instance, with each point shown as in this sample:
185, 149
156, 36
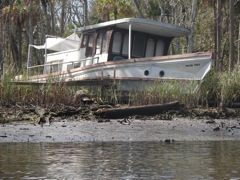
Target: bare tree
85, 11
218, 39
63, 14
194, 10
31, 22
231, 34
11, 33
51, 3
45, 22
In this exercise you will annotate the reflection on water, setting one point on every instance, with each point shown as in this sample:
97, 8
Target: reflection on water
120, 160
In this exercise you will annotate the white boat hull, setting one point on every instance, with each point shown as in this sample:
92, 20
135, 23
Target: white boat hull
131, 73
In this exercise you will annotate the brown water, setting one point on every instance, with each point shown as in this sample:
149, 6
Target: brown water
121, 160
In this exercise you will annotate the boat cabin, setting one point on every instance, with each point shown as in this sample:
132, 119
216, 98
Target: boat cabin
110, 41
112, 44
114, 41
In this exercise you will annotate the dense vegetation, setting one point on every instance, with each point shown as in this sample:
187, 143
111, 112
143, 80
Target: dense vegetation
215, 26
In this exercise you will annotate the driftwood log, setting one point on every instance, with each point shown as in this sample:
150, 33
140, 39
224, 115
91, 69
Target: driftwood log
147, 110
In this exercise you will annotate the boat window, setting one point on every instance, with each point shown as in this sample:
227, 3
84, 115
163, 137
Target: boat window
90, 41
69, 66
116, 47
150, 48
125, 44
54, 67
138, 46
98, 44
104, 42
159, 48
84, 41
89, 49
76, 65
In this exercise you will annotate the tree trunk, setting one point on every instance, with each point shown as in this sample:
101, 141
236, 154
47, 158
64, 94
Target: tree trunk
43, 31
1, 59
30, 29
30, 23
106, 16
115, 13
1, 40
19, 37
239, 44
219, 63
85, 11
41, 38
3, 37
45, 14
14, 48
52, 17
231, 33
193, 18
215, 35
12, 38
62, 17
162, 16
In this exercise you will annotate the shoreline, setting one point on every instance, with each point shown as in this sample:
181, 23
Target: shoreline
177, 129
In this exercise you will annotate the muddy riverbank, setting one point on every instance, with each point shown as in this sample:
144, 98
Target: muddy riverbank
86, 123
115, 130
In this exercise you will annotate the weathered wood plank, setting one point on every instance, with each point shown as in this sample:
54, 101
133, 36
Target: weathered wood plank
117, 113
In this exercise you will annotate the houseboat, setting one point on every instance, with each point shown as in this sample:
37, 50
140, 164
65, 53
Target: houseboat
130, 52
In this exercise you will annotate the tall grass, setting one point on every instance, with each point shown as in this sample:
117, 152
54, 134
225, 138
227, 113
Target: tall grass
229, 84
11, 93
166, 91
219, 88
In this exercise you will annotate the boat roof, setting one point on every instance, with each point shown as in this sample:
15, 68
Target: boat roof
142, 25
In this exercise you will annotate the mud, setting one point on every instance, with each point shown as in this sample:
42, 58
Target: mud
74, 124
114, 130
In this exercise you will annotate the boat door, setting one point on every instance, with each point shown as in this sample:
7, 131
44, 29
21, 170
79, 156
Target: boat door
101, 54
86, 50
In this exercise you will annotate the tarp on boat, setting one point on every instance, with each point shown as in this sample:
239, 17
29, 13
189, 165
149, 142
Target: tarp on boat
60, 44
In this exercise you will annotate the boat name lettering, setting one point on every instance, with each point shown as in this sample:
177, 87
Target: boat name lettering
191, 65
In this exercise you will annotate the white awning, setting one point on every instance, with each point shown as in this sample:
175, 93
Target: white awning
61, 44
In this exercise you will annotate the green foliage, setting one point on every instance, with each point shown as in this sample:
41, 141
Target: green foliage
105, 10
154, 10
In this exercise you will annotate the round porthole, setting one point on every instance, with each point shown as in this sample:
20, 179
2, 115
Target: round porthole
161, 73
146, 72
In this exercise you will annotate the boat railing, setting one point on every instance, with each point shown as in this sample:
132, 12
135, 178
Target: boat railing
56, 66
